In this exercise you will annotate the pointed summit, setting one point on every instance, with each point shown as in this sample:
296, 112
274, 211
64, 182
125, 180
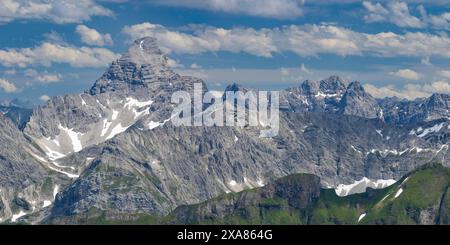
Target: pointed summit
356, 101
333, 84
234, 87
310, 87
142, 63
438, 100
356, 87
145, 51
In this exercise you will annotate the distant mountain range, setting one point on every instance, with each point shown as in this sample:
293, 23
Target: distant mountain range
113, 151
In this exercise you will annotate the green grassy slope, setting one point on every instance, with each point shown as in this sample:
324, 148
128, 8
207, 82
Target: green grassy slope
422, 197
422, 200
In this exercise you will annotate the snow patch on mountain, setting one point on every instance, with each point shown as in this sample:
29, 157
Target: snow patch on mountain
361, 217
117, 116
415, 149
55, 191
117, 130
436, 128
15, 217
355, 149
323, 95
398, 193
46, 203
74, 138
114, 115
132, 103
70, 175
106, 125
360, 186
379, 132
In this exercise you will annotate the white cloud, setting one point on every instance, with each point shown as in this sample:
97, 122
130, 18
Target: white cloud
444, 73
30, 73
7, 86
441, 21
53, 37
395, 12
57, 11
303, 40
426, 61
44, 77
44, 98
409, 91
10, 72
406, 74
284, 71
398, 13
195, 66
304, 69
278, 9
93, 37
194, 73
209, 40
49, 78
174, 63
49, 53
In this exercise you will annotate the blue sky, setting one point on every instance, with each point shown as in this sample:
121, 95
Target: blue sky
396, 48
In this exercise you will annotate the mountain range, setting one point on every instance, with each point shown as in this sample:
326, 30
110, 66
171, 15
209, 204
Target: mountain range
112, 150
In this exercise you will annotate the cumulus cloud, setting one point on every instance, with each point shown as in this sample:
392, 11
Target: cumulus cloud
304, 69
426, 61
395, 12
57, 11
49, 53
406, 74
7, 86
30, 73
93, 37
44, 98
210, 39
10, 72
42, 77
444, 73
49, 78
174, 63
195, 66
398, 13
409, 91
278, 9
303, 40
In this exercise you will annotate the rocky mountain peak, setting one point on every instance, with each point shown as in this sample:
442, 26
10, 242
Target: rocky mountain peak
142, 63
440, 100
356, 101
333, 84
356, 87
310, 86
145, 51
234, 87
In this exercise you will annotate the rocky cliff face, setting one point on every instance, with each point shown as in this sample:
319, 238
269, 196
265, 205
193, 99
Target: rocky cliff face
157, 170
298, 191
332, 95
315, 96
135, 90
18, 115
406, 112
358, 102
26, 185
118, 151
